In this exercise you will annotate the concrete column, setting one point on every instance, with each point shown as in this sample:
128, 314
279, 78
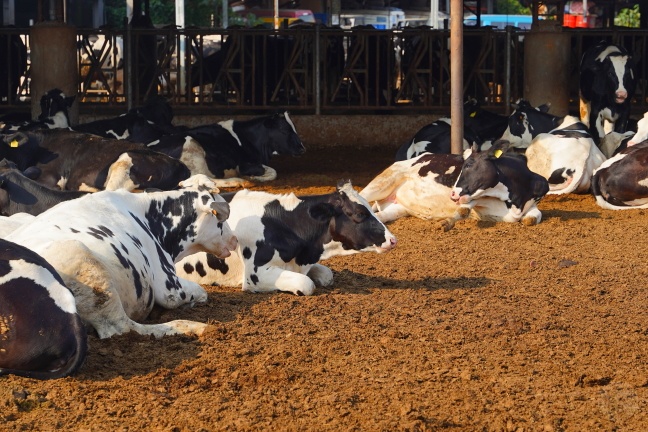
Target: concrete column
53, 64
546, 66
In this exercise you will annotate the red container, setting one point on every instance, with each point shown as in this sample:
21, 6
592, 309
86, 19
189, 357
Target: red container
569, 20
581, 21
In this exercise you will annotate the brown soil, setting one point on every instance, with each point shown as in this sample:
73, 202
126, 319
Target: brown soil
485, 327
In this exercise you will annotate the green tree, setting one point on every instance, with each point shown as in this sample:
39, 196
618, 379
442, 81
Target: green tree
628, 17
510, 7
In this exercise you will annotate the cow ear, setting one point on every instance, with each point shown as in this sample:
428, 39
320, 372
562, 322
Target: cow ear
221, 210
32, 172
544, 107
15, 140
322, 212
500, 147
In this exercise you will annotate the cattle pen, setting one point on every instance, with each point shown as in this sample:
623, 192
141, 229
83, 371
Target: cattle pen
323, 75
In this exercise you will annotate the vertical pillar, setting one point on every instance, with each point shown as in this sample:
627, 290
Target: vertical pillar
547, 65
53, 63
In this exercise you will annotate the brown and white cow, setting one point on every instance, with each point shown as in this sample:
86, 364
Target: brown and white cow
41, 334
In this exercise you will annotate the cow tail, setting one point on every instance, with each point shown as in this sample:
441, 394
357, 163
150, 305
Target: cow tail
73, 364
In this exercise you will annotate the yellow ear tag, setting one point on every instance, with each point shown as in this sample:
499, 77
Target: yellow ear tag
14, 143
498, 153
473, 114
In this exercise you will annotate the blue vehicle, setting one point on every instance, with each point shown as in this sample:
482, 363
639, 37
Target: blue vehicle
501, 21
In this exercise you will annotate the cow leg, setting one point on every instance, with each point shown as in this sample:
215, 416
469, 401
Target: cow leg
268, 279
194, 294
533, 216
119, 175
321, 275
98, 301
268, 175
462, 213
585, 111
390, 212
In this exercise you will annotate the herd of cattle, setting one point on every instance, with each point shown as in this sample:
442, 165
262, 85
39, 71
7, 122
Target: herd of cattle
80, 248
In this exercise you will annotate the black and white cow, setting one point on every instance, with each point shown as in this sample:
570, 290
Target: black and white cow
282, 238
526, 122
77, 161
481, 127
116, 250
41, 334
20, 194
54, 114
621, 182
501, 181
234, 147
567, 157
140, 124
607, 85
434, 138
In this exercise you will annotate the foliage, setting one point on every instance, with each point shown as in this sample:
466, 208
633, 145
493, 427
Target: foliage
510, 7
628, 17
198, 13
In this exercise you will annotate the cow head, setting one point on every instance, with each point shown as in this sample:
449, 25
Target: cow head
208, 230
353, 226
54, 108
283, 135
617, 68
478, 173
527, 121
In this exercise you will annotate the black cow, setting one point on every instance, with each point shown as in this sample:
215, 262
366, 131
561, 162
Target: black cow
234, 147
54, 106
77, 161
526, 122
20, 194
607, 85
619, 183
503, 182
43, 337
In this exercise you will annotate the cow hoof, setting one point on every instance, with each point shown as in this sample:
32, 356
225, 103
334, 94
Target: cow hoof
464, 212
529, 221
446, 225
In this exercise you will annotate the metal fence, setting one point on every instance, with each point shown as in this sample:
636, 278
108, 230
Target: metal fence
310, 70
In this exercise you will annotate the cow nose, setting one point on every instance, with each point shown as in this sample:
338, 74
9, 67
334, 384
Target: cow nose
621, 95
454, 196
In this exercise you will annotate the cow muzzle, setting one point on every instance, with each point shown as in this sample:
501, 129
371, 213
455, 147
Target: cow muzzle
620, 96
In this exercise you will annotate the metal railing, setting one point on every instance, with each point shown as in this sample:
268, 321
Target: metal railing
311, 70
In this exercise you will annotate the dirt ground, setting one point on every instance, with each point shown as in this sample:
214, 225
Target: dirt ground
485, 327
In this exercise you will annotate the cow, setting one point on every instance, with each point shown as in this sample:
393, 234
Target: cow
234, 147
20, 194
606, 86
526, 122
140, 124
115, 250
481, 127
282, 238
566, 157
76, 161
41, 333
434, 138
620, 182
418, 187
54, 106
501, 181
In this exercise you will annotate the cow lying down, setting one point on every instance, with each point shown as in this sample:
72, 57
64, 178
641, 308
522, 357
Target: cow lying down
116, 250
620, 182
282, 238
41, 334
492, 185
567, 157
